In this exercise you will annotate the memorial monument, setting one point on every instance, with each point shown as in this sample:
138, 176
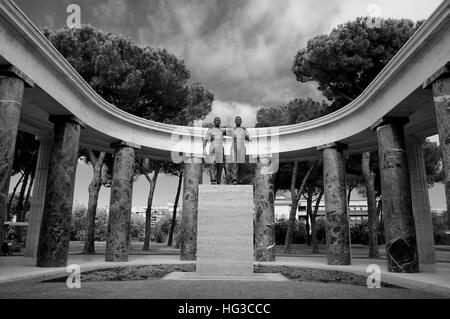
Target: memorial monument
225, 215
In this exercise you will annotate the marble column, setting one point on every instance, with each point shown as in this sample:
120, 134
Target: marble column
399, 230
38, 195
264, 212
12, 84
420, 201
53, 247
441, 93
336, 223
192, 178
119, 220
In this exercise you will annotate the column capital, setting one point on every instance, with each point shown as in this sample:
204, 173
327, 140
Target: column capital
66, 118
125, 144
390, 120
337, 145
443, 72
12, 71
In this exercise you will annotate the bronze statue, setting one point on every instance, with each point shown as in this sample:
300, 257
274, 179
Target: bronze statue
216, 154
239, 135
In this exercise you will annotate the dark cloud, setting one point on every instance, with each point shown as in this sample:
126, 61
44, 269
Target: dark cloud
241, 50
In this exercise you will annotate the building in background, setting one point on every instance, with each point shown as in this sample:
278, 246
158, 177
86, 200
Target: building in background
158, 212
357, 209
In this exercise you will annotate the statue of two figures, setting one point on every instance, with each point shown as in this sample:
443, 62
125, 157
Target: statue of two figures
215, 136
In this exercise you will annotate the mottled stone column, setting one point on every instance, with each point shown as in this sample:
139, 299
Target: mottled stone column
12, 83
441, 92
336, 222
399, 230
119, 220
54, 234
420, 201
264, 212
192, 178
38, 196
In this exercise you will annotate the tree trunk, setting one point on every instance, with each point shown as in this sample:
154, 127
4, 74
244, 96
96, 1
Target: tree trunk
20, 209
94, 190
349, 194
30, 187
20, 215
369, 180
307, 229
291, 226
148, 211
295, 198
8, 216
315, 243
309, 213
174, 214
380, 210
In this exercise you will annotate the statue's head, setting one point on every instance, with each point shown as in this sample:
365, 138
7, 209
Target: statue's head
238, 121
217, 121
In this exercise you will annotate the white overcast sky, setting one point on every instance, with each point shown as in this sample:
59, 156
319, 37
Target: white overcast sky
241, 50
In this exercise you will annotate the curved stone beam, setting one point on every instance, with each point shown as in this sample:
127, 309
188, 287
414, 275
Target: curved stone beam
59, 89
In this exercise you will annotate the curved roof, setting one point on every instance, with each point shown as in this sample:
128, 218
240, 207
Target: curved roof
59, 89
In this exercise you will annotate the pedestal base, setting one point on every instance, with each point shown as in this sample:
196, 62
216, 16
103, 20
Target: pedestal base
225, 230
252, 277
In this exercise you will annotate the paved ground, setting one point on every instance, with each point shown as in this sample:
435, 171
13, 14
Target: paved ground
155, 289
432, 282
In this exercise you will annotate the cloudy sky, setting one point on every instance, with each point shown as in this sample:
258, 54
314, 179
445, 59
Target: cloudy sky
241, 50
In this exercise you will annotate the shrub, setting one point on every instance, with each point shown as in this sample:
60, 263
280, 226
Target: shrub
281, 225
161, 229
440, 229
101, 224
359, 233
320, 230
137, 227
78, 225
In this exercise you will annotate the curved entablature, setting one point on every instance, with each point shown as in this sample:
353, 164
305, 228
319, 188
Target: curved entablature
59, 90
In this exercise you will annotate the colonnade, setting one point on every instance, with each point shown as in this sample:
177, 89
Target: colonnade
406, 208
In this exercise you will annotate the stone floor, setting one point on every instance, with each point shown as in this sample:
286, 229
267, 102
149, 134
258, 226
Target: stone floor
433, 279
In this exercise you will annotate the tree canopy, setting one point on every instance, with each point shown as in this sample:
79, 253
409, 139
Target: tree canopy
346, 61
296, 111
147, 82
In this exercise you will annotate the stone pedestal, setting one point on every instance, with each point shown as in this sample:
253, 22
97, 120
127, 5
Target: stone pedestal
54, 235
119, 220
38, 196
225, 230
420, 202
264, 213
192, 178
12, 83
399, 230
336, 223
